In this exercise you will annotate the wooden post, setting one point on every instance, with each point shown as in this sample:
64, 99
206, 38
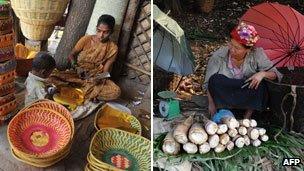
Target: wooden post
124, 37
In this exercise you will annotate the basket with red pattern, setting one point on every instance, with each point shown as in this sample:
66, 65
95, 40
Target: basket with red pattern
7, 77
6, 26
7, 40
7, 108
7, 98
39, 133
7, 88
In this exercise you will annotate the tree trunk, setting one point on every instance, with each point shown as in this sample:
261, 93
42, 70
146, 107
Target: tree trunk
79, 15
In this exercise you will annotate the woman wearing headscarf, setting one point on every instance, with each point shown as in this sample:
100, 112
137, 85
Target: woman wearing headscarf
235, 73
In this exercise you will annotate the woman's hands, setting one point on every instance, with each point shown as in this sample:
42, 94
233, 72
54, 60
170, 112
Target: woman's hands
256, 79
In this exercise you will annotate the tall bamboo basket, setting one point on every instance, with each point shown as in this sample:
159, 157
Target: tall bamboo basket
38, 17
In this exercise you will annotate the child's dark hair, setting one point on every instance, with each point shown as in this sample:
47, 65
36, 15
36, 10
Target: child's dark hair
108, 20
43, 60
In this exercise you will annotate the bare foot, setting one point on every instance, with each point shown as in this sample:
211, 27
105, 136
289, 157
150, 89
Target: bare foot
248, 114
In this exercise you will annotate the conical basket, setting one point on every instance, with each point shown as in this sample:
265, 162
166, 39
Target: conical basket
38, 17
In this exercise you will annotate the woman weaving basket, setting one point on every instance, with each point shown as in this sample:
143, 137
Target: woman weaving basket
235, 74
93, 55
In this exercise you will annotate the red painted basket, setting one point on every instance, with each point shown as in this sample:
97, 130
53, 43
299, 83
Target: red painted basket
7, 88
49, 104
39, 133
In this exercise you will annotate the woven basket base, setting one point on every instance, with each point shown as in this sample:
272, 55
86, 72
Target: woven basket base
36, 32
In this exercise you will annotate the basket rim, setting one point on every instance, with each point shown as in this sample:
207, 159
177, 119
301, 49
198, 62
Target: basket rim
43, 101
40, 164
9, 127
98, 113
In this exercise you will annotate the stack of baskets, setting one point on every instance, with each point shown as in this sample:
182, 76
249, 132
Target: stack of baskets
38, 18
7, 62
41, 134
113, 149
117, 145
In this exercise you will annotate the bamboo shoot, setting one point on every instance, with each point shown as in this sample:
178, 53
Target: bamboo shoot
213, 140
224, 139
190, 148
170, 146
181, 130
222, 128
204, 148
197, 134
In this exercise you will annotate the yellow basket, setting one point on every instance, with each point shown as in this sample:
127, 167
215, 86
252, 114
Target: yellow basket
112, 111
40, 162
38, 18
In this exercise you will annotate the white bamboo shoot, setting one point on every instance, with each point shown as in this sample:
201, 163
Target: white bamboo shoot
253, 133
222, 128
239, 141
264, 138
262, 131
247, 140
190, 148
231, 122
232, 132
224, 139
210, 127
197, 134
220, 148
181, 130
256, 142
253, 123
245, 123
213, 140
170, 146
242, 130
204, 148
230, 145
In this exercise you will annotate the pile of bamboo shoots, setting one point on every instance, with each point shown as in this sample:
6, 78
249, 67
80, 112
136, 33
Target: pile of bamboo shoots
203, 137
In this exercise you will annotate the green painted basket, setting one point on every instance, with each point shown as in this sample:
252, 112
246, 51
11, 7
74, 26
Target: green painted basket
120, 149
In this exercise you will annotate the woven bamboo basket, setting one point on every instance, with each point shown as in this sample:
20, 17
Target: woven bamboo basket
7, 98
94, 164
107, 109
7, 88
112, 146
7, 53
41, 162
49, 104
7, 77
38, 18
8, 107
7, 66
6, 26
55, 129
7, 40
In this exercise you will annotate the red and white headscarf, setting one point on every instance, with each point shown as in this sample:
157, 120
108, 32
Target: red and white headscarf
245, 34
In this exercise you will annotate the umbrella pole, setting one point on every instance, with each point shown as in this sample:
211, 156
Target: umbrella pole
180, 80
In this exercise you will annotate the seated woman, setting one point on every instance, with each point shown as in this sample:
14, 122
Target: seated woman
93, 55
231, 67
